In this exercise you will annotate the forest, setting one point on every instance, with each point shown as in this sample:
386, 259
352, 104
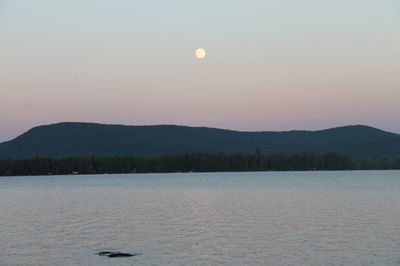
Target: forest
193, 162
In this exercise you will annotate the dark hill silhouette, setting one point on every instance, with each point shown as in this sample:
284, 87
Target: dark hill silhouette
89, 139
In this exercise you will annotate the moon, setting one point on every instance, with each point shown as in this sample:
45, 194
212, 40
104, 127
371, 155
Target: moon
200, 53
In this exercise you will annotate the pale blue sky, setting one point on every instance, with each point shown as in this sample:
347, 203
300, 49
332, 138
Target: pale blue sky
271, 65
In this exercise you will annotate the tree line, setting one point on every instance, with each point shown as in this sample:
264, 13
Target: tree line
194, 162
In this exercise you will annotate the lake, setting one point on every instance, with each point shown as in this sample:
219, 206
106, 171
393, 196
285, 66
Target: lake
259, 218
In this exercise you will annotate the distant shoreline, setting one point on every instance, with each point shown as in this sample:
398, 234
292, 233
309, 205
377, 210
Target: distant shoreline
193, 162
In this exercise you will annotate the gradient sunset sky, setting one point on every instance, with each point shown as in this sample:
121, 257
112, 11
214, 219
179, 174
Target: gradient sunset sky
270, 65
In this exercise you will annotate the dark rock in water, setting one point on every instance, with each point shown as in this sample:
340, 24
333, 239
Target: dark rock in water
111, 254
105, 253
120, 254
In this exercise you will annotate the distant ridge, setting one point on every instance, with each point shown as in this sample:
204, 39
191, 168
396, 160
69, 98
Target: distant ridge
74, 139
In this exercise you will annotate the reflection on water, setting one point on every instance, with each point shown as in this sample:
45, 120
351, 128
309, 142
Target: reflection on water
189, 219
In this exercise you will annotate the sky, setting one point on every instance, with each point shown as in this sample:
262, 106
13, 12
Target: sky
270, 65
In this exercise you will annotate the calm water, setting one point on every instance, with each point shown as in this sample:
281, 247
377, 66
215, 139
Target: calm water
277, 218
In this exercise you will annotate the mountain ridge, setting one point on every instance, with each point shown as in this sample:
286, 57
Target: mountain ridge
83, 139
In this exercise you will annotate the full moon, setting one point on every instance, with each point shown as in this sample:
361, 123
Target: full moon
200, 53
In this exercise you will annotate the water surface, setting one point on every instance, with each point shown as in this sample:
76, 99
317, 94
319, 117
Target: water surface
277, 218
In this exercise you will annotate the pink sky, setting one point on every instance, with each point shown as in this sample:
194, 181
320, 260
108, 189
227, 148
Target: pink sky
269, 66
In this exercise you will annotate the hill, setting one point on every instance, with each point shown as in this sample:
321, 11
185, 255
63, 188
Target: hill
89, 139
